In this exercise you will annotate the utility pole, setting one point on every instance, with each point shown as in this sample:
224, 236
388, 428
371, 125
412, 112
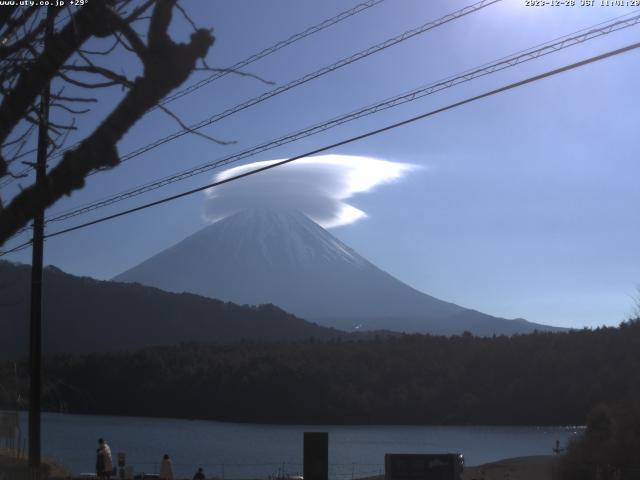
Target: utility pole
35, 333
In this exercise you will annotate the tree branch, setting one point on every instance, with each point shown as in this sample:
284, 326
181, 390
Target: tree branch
166, 66
89, 21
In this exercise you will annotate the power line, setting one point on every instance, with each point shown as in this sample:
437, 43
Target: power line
486, 69
273, 48
505, 62
300, 81
312, 76
361, 7
341, 63
17, 248
371, 133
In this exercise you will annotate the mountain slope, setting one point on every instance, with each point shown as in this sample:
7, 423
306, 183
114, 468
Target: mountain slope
282, 257
86, 315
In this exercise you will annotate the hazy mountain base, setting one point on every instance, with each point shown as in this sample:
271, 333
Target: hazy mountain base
536, 379
472, 321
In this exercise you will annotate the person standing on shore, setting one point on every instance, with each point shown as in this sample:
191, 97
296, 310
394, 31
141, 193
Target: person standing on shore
199, 475
99, 464
166, 468
107, 462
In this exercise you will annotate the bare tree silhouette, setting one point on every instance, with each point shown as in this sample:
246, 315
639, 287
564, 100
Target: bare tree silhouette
26, 66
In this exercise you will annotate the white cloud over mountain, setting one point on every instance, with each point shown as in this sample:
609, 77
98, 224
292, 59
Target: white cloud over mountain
317, 186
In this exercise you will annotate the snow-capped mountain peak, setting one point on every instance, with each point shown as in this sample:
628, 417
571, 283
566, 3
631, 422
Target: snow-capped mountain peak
262, 255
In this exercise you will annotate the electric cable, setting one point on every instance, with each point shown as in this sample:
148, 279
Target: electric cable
310, 76
272, 49
361, 7
486, 69
368, 134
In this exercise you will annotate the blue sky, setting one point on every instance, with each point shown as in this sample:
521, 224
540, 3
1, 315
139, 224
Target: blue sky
526, 207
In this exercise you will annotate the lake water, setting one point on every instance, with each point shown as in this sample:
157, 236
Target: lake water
232, 450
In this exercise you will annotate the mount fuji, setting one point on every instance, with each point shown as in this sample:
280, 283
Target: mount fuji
261, 256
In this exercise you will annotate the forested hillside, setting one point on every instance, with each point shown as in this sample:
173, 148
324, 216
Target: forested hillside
86, 315
542, 378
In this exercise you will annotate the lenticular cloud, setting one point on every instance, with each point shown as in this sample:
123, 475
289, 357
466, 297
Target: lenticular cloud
317, 186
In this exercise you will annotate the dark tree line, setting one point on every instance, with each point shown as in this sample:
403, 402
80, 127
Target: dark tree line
610, 447
536, 379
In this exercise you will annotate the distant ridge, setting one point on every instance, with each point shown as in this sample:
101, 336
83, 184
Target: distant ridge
263, 255
81, 314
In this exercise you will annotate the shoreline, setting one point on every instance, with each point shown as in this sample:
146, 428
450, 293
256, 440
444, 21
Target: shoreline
310, 424
222, 447
533, 467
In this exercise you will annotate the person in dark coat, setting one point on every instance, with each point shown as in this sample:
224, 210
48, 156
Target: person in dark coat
99, 464
199, 475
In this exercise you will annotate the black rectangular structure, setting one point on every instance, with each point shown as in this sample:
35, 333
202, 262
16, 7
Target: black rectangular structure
444, 466
316, 456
